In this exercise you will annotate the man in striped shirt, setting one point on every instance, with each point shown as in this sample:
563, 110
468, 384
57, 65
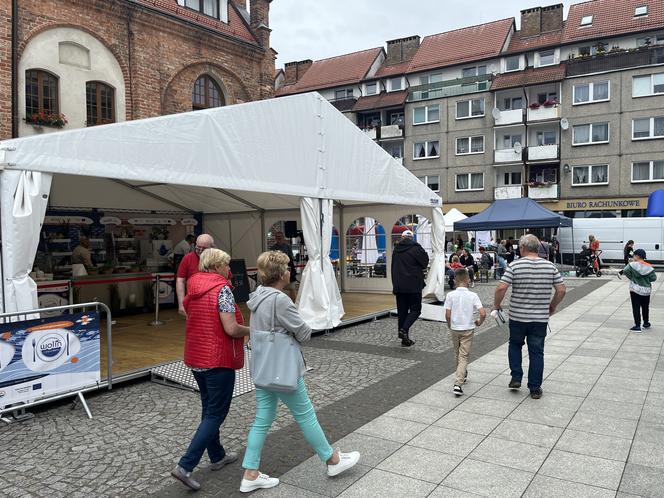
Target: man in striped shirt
537, 289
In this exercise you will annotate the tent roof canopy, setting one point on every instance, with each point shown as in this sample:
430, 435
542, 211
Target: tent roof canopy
513, 213
256, 156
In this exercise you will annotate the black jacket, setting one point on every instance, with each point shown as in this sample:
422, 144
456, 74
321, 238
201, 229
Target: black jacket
409, 261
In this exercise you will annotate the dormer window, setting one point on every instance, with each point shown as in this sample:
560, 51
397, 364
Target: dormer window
587, 21
206, 7
372, 88
641, 11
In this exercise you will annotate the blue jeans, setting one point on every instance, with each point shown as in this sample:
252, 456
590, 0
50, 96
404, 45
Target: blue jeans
216, 387
299, 404
533, 333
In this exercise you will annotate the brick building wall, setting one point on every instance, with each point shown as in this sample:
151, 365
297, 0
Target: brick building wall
160, 55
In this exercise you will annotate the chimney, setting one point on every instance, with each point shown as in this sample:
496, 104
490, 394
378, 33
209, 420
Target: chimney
552, 18
240, 3
259, 20
531, 22
293, 71
402, 49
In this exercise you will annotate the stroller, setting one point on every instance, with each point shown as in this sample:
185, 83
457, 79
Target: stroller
588, 263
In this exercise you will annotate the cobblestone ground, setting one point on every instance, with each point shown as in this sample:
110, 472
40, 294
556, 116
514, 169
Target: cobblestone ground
139, 430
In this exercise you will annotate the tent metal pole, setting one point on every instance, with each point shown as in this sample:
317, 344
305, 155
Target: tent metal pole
342, 247
263, 234
320, 215
154, 196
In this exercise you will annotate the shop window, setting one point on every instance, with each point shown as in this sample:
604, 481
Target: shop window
590, 175
207, 94
366, 255
99, 103
41, 93
419, 225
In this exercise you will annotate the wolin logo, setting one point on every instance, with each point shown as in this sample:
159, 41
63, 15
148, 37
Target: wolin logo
50, 347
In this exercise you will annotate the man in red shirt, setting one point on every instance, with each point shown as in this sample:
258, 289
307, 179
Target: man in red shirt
189, 266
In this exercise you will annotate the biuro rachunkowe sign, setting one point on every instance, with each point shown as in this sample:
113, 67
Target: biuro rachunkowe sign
607, 204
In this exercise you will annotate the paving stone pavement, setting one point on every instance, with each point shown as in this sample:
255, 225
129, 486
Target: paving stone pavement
366, 389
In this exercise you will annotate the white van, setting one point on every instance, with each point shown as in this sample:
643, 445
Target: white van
613, 234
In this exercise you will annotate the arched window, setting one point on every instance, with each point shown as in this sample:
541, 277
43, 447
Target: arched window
206, 94
41, 92
99, 103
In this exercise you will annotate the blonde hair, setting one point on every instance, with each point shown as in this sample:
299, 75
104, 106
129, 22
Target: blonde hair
455, 259
212, 258
271, 266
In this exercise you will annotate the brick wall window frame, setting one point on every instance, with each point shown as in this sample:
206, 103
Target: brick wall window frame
468, 182
206, 93
648, 128
590, 134
647, 171
595, 174
41, 92
99, 103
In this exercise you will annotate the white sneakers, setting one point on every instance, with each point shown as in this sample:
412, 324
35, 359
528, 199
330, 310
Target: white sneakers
346, 461
263, 481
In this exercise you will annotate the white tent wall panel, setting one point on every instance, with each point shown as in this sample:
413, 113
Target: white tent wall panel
387, 215
237, 234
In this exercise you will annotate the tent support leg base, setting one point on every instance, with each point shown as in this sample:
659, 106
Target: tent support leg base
18, 415
81, 399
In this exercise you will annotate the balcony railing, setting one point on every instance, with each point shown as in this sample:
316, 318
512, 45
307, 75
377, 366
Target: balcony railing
508, 192
543, 113
507, 156
386, 132
514, 116
450, 88
543, 192
543, 153
620, 59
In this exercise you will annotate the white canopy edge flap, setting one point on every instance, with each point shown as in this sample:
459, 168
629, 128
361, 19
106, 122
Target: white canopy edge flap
299, 145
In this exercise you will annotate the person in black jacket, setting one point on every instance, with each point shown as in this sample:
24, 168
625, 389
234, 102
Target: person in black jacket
409, 261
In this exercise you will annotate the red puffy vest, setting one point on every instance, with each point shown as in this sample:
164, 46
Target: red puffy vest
206, 343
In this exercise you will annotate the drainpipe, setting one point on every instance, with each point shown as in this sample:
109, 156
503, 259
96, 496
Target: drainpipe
14, 68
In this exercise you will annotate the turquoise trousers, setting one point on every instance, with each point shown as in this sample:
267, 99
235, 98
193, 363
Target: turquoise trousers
299, 404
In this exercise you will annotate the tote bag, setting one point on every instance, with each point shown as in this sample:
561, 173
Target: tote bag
276, 358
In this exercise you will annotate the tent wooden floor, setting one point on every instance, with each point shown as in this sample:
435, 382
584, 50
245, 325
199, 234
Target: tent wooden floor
138, 346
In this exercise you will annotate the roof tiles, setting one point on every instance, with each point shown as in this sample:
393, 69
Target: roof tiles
518, 44
235, 27
335, 71
611, 18
531, 76
462, 45
381, 101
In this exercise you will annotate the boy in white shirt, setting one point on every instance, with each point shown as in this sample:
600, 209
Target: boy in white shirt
460, 306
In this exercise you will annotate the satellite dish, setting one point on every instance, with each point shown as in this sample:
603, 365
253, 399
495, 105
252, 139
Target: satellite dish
564, 123
518, 147
495, 112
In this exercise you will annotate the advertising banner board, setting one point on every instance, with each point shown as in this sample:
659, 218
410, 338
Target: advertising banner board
49, 356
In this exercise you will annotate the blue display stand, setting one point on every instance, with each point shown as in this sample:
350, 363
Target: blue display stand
656, 204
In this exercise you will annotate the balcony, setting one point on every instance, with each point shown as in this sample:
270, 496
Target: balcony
616, 59
514, 116
388, 132
544, 192
344, 104
507, 156
450, 88
543, 153
543, 113
508, 192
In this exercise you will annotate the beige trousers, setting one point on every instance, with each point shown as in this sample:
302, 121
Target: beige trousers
463, 343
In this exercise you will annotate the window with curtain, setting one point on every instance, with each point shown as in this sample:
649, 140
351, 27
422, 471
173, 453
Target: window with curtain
590, 133
424, 150
462, 182
580, 175
470, 181
206, 94
648, 128
648, 171
41, 93
99, 103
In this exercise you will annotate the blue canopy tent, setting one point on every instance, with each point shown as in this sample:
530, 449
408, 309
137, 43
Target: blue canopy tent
514, 213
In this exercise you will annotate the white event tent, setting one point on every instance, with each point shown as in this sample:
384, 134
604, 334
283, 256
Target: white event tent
243, 162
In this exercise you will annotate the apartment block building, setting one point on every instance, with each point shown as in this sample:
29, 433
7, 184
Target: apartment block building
569, 112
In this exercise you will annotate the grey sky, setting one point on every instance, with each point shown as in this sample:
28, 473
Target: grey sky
316, 29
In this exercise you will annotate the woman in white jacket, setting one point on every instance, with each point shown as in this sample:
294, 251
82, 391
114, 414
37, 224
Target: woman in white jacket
274, 275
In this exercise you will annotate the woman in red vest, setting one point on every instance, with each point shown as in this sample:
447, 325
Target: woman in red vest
213, 349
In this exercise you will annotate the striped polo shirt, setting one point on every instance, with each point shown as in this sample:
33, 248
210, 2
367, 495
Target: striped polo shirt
532, 282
